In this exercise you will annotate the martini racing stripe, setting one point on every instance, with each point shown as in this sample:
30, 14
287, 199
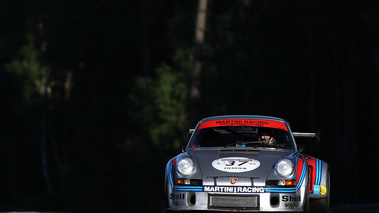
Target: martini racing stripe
292, 189
226, 189
223, 189
296, 157
171, 173
318, 176
190, 188
318, 172
245, 189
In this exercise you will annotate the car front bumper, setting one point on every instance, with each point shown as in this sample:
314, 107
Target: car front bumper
242, 199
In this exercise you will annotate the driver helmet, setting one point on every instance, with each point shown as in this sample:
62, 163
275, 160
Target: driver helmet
266, 139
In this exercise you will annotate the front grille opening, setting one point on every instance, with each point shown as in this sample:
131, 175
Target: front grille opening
191, 198
310, 178
274, 200
231, 202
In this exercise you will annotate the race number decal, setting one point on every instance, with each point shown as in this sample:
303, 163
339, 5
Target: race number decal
235, 164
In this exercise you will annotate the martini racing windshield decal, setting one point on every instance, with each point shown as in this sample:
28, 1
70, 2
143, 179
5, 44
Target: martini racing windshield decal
243, 122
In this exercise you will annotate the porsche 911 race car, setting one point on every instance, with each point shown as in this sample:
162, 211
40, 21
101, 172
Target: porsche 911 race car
246, 163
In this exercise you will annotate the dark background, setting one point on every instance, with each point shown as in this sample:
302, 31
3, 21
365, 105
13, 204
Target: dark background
95, 94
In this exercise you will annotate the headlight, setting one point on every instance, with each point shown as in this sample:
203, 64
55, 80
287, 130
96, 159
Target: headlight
185, 167
285, 168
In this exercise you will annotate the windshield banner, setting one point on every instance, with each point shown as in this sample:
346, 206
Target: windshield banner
243, 122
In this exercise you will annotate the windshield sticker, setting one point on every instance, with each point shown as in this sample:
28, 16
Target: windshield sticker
243, 122
235, 164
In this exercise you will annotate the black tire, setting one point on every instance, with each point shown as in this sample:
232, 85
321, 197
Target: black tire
322, 205
306, 205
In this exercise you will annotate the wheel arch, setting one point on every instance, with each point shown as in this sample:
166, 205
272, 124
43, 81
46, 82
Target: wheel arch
319, 178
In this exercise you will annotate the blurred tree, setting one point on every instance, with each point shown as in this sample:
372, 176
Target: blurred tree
159, 122
160, 107
197, 62
36, 80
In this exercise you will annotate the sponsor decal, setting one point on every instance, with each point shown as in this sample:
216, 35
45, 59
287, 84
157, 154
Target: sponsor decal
243, 122
291, 201
316, 189
233, 181
288, 198
291, 205
235, 164
233, 189
179, 196
322, 190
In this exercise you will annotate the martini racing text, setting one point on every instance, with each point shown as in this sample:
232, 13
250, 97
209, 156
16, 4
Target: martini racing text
233, 189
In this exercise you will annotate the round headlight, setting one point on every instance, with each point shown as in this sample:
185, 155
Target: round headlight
285, 168
185, 167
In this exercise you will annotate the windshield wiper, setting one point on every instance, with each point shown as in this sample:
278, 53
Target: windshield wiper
240, 143
259, 144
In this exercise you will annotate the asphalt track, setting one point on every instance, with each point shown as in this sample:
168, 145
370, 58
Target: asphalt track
361, 208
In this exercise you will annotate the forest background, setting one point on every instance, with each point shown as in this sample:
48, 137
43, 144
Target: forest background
95, 95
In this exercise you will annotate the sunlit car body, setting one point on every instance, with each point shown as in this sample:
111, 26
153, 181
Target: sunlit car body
245, 164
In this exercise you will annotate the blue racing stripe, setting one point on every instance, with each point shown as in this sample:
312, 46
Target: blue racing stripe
171, 175
296, 157
319, 171
189, 188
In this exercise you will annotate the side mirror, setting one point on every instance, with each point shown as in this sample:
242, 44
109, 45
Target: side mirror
182, 147
189, 133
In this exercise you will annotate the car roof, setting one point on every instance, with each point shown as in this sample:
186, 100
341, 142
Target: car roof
261, 117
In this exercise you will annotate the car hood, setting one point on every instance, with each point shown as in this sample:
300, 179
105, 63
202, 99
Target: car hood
237, 167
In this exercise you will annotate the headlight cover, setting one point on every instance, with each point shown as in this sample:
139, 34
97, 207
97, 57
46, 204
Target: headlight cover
285, 168
185, 167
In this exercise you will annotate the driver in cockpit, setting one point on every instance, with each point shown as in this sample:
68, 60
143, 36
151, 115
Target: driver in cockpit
266, 139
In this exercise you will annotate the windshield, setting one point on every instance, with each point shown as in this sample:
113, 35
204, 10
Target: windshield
241, 136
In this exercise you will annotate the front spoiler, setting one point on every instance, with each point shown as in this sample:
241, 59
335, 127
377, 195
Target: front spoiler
181, 200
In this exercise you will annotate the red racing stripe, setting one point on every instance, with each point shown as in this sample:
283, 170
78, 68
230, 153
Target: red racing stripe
311, 161
299, 168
